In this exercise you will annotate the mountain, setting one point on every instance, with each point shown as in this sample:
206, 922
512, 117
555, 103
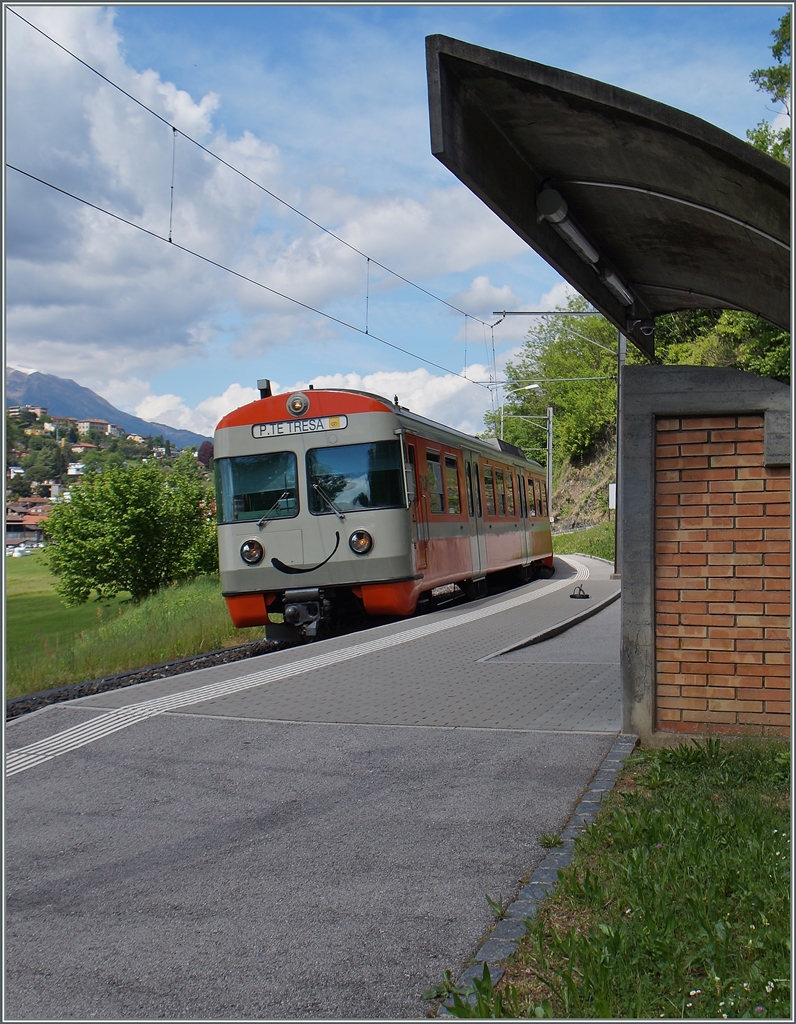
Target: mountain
66, 398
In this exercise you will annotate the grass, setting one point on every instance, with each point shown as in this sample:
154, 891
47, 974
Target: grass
49, 644
676, 904
597, 540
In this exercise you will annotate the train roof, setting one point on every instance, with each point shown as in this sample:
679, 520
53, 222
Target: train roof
486, 445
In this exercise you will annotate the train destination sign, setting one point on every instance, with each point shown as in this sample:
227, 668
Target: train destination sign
313, 425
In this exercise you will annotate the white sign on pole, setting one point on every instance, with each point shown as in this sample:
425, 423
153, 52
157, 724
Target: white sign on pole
611, 496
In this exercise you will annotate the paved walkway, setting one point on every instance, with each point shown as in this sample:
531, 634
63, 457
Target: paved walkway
308, 834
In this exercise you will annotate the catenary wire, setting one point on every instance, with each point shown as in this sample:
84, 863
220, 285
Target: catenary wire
243, 277
237, 170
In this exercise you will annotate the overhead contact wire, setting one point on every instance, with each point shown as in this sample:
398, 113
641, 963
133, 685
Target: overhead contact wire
235, 273
237, 170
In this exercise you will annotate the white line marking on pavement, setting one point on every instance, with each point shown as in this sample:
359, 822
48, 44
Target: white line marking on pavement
34, 754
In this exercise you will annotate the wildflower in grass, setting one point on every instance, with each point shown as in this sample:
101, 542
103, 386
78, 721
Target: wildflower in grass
759, 1009
769, 987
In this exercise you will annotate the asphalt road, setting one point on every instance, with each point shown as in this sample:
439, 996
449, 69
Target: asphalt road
203, 866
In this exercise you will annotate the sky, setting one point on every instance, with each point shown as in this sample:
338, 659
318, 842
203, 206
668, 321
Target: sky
326, 107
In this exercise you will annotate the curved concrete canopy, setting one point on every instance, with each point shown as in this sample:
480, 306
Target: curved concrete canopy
684, 215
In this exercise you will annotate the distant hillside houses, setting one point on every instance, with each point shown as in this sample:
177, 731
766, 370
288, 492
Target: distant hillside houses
83, 427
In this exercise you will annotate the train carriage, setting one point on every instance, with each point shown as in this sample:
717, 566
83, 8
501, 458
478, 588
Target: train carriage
330, 501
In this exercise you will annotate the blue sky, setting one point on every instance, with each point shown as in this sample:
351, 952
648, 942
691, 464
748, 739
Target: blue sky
326, 105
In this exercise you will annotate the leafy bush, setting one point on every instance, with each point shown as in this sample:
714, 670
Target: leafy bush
132, 528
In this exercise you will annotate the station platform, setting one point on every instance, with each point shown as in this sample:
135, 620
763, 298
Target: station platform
309, 834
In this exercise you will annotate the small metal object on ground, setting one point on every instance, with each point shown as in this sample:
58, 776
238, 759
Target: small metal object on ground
578, 593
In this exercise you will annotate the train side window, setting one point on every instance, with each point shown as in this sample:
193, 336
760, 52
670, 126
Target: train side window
537, 496
452, 485
436, 488
510, 506
410, 452
468, 485
489, 491
521, 496
531, 497
501, 492
543, 491
478, 491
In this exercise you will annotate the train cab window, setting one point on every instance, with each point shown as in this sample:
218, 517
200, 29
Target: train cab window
501, 492
256, 487
543, 494
352, 477
436, 489
452, 485
489, 491
510, 506
468, 485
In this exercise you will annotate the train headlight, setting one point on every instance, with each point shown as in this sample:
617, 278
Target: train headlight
298, 404
360, 542
252, 552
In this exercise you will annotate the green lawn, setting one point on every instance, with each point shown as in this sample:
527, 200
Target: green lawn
597, 540
49, 644
35, 615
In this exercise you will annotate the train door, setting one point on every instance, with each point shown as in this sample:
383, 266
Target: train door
419, 518
522, 496
476, 515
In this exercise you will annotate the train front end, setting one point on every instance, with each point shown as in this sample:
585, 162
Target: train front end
313, 516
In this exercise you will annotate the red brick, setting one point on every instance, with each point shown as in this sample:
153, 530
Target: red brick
687, 547
667, 423
734, 485
783, 671
775, 683
749, 706
738, 634
750, 448
708, 422
769, 622
679, 536
691, 703
708, 474
689, 631
709, 716
759, 644
667, 643
777, 633
767, 719
668, 714
671, 451
745, 583
782, 571
680, 463
681, 437
664, 476
750, 421
713, 572
774, 707
719, 459
777, 658
736, 558
664, 619
777, 535
713, 451
749, 522
711, 692
665, 690
777, 498
711, 621
735, 434
735, 535
682, 607
752, 472
747, 693
777, 484
776, 558
684, 487
753, 545
732, 657
697, 663
712, 523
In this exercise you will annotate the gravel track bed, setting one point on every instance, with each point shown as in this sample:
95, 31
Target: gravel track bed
35, 701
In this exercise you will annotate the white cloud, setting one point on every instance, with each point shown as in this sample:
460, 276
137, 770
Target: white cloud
202, 419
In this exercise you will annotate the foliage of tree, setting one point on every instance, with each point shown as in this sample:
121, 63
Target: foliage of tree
133, 528
558, 349
725, 337
205, 453
775, 81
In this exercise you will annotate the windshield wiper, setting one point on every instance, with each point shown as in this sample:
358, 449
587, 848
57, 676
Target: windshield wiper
266, 519
340, 515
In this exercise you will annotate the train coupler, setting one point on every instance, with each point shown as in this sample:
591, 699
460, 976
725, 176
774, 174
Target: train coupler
305, 609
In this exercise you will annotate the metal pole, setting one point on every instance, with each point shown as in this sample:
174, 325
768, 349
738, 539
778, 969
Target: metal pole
550, 461
620, 365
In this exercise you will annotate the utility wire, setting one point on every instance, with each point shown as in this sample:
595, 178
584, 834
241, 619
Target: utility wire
236, 273
237, 170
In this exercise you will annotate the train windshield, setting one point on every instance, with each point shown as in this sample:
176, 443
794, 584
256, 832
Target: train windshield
260, 487
354, 477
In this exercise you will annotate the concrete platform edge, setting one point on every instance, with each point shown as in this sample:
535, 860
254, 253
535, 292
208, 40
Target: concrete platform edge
559, 627
502, 940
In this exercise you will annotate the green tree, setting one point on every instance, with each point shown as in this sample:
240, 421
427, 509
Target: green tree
557, 350
130, 528
775, 81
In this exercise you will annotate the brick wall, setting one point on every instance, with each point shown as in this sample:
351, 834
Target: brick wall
722, 579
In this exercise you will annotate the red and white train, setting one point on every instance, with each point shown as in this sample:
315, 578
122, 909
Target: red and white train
331, 500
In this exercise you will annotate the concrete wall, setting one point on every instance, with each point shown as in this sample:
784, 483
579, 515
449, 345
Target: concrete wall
721, 439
